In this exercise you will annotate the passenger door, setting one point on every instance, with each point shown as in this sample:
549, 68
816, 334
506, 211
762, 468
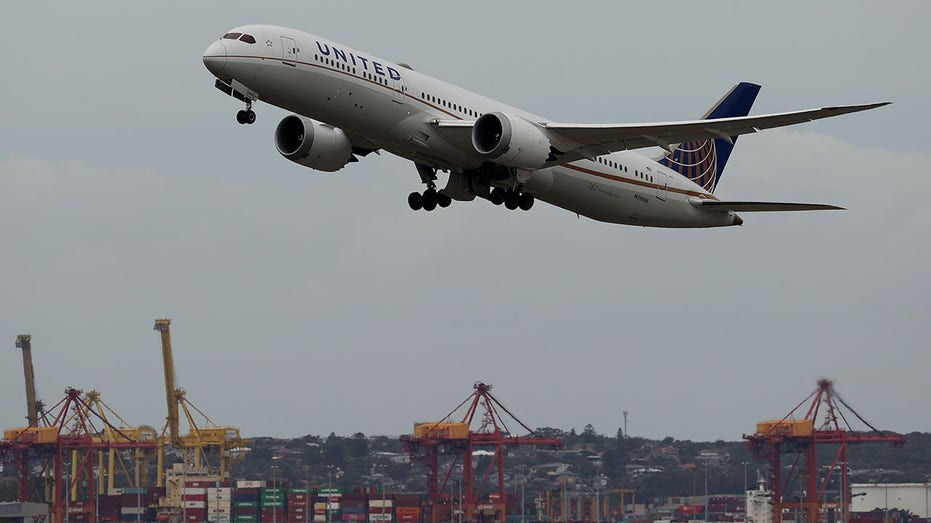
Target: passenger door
662, 185
288, 51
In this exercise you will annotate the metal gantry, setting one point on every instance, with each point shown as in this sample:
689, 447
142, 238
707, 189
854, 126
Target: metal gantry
799, 435
73, 437
447, 437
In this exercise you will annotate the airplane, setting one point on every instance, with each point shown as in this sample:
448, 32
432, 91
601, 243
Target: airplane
348, 104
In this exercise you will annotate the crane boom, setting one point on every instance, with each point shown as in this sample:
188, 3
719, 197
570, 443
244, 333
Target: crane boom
24, 341
162, 326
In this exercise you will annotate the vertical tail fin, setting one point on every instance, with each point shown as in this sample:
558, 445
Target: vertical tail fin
703, 161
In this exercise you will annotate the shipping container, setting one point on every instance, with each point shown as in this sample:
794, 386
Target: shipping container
442, 430
408, 500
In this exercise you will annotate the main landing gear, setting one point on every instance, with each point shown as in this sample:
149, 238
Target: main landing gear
511, 198
247, 116
428, 200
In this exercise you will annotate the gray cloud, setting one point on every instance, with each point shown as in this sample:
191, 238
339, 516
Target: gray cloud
308, 303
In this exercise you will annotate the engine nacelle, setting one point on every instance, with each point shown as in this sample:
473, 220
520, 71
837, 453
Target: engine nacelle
510, 140
312, 144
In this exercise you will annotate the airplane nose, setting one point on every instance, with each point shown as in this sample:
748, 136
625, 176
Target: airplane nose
215, 57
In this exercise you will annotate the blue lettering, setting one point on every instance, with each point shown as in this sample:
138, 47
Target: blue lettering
339, 54
353, 58
378, 68
324, 53
394, 74
365, 63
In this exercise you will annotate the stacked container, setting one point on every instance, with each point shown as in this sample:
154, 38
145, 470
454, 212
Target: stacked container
381, 508
330, 499
299, 508
134, 501
353, 507
408, 508
273, 505
194, 502
219, 505
78, 512
108, 506
247, 501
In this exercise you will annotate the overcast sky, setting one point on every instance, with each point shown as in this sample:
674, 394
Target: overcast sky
310, 303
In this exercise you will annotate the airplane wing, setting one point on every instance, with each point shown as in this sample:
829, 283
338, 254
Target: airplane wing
600, 139
724, 206
578, 141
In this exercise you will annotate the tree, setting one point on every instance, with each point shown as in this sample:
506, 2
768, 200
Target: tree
358, 446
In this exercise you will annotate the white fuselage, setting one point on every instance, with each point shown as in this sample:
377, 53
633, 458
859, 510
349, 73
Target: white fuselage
391, 107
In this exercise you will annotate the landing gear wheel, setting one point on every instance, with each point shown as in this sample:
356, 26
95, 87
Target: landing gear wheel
246, 116
415, 200
443, 200
511, 200
497, 196
525, 201
429, 200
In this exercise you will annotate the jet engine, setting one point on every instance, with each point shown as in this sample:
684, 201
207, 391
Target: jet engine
510, 140
312, 144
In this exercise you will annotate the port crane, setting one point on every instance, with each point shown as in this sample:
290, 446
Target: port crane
799, 434
71, 439
455, 438
140, 434
203, 439
34, 407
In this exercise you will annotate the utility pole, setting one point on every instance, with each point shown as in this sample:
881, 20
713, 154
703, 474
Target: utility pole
625, 424
275, 490
523, 481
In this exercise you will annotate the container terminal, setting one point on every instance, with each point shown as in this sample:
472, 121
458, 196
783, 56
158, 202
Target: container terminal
80, 462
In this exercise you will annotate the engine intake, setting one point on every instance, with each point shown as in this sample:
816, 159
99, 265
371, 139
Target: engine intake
312, 144
511, 140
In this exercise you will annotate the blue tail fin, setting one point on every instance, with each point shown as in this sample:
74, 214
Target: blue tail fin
703, 161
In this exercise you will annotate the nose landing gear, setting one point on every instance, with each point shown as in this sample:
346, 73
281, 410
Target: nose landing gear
247, 116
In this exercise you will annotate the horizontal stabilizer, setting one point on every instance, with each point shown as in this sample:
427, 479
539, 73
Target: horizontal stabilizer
715, 205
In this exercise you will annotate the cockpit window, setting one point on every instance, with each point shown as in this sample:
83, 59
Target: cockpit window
232, 36
249, 39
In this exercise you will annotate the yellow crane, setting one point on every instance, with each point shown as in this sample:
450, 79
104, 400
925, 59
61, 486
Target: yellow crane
201, 441
623, 494
33, 407
124, 433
